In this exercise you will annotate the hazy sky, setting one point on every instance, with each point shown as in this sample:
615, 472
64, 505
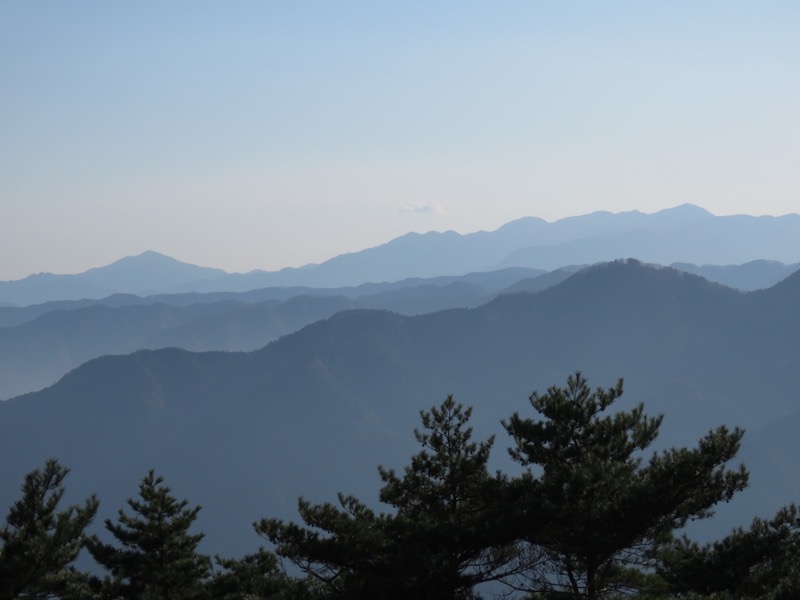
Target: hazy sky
262, 134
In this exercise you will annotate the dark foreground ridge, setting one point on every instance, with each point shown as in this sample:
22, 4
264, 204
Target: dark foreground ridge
590, 512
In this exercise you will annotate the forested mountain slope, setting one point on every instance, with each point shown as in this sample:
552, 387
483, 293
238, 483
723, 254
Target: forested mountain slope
42, 345
243, 434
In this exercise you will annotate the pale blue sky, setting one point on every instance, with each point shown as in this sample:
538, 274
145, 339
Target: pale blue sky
261, 134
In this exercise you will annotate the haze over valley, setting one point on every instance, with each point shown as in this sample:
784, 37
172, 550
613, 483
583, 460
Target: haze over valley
315, 386
126, 306
391, 301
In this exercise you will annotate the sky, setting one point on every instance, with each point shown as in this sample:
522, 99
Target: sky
264, 134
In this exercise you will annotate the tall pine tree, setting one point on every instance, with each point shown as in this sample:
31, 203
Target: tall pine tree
438, 543
39, 541
156, 557
589, 500
451, 506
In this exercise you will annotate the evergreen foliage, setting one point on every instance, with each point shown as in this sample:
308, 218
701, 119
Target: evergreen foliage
438, 543
592, 515
254, 577
762, 562
450, 507
590, 502
39, 542
346, 552
157, 557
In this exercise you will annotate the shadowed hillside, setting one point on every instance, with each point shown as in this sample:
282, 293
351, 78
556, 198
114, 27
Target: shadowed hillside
314, 412
41, 345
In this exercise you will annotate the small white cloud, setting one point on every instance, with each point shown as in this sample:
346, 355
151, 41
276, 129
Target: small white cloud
426, 208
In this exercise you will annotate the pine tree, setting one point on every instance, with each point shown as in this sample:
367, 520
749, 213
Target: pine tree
451, 507
597, 511
157, 557
39, 542
254, 577
438, 542
345, 550
761, 562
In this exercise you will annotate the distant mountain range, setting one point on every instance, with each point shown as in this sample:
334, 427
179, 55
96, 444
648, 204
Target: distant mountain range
685, 234
147, 273
244, 434
41, 343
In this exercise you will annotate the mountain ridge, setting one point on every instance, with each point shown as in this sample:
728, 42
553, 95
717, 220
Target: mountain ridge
315, 411
686, 233
39, 344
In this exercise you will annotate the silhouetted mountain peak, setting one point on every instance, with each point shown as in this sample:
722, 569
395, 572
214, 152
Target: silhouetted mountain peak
630, 273
525, 225
152, 262
146, 273
628, 285
685, 212
149, 258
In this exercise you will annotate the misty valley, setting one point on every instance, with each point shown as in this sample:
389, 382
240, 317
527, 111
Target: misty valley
601, 407
399, 300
